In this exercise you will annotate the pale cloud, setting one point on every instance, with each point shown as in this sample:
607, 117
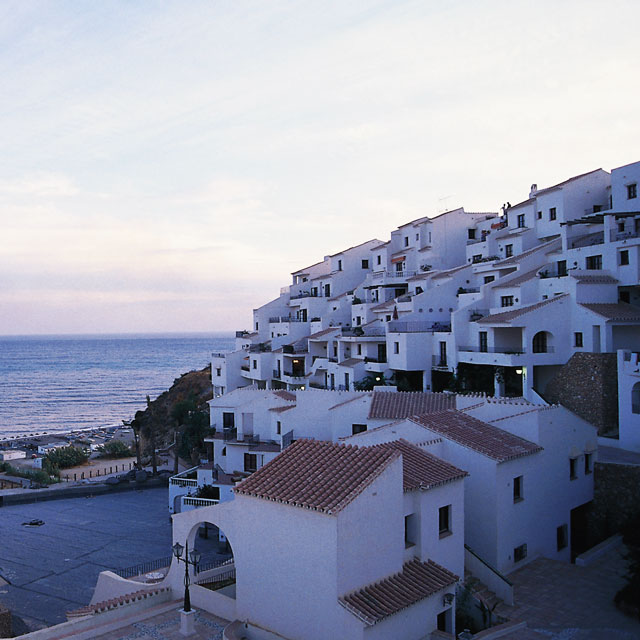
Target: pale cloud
193, 155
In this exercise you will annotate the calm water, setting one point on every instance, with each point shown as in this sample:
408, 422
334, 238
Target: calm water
60, 383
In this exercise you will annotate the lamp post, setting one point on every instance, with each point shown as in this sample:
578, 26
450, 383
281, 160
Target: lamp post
192, 559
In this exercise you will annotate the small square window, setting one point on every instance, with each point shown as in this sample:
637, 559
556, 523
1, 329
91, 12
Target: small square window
488, 279
506, 301
539, 215
573, 468
520, 553
278, 427
518, 489
410, 530
508, 250
578, 342
255, 364
417, 237
396, 347
379, 260
593, 262
521, 220
471, 234
444, 520
624, 257
365, 264
406, 241
358, 428
632, 191
588, 463
620, 227
562, 537
552, 213
218, 371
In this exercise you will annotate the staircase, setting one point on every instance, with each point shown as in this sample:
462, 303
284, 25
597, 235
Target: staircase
500, 611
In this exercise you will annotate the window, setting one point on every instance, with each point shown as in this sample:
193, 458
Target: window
518, 487
520, 553
444, 520
588, 463
224, 451
255, 364
218, 371
477, 258
488, 279
250, 462
278, 427
624, 296
471, 234
552, 213
521, 220
506, 301
577, 339
482, 340
417, 237
419, 290
396, 347
359, 347
379, 260
623, 257
358, 321
620, 227
632, 191
540, 342
228, 421
508, 250
562, 267
410, 530
406, 241
257, 325
573, 468
539, 215
388, 318
593, 262
562, 537
358, 428
365, 264
597, 208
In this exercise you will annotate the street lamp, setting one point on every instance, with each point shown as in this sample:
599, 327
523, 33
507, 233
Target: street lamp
190, 558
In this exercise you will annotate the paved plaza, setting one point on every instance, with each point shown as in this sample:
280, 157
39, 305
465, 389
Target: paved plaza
53, 568
566, 602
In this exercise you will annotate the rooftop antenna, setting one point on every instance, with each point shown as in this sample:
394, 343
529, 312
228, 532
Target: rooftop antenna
442, 204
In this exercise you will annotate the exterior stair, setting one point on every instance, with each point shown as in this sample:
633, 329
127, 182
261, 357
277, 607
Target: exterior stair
500, 611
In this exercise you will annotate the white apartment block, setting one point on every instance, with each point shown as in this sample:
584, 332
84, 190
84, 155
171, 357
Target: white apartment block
508, 297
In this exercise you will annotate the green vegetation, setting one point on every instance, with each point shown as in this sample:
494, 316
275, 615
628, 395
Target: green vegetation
194, 426
64, 458
114, 449
371, 380
38, 476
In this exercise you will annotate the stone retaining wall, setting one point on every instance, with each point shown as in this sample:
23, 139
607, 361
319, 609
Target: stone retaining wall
5, 623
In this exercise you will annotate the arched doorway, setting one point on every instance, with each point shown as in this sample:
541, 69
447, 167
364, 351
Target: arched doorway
542, 342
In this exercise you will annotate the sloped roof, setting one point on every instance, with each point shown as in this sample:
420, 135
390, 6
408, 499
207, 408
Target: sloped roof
589, 278
508, 316
285, 395
417, 581
490, 441
420, 469
541, 247
351, 362
620, 311
322, 476
351, 399
324, 332
524, 277
283, 408
402, 404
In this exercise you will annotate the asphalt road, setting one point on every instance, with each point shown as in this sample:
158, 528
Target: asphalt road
53, 568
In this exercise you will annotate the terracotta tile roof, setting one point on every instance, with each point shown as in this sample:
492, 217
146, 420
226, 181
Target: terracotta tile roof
514, 282
508, 316
422, 470
383, 305
417, 581
281, 409
402, 404
351, 362
594, 279
552, 244
484, 438
289, 396
324, 332
621, 311
322, 476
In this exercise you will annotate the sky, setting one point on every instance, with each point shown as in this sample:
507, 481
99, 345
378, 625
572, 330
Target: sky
165, 165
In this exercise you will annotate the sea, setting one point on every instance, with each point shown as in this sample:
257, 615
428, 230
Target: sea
52, 384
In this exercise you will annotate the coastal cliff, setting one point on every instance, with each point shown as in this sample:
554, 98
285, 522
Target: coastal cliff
183, 402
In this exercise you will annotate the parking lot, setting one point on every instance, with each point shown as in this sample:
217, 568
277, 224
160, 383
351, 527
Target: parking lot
53, 568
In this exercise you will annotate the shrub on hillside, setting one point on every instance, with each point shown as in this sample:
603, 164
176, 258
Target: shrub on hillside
64, 458
114, 449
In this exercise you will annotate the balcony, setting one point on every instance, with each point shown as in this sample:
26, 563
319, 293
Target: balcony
417, 326
476, 314
187, 478
263, 347
229, 434
507, 350
587, 241
220, 354
277, 319
624, 235
245, 367
378, 275
439, 362
189, 503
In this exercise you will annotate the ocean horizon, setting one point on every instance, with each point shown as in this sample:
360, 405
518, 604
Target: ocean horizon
63, 382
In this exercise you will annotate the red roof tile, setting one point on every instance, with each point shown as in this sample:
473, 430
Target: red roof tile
589, 278
422, 470
417, 581
484, 438
518, 280
402, 404
285, 395
620, 311
324, 332
508, 316
322, 476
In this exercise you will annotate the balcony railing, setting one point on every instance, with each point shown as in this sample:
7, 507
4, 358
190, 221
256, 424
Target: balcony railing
547, 273
229, 434
476, 314
298, 376
287, 439
625, 235
277, 374
378, 360
506, 350
259, 348
184, 480
587, 241
393, 274
219, 354
189, 501
438, 361
477, 260
417, 326
285, 319
245, 367
144, 567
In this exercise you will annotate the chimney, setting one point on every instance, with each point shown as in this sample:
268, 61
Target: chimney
534, 190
